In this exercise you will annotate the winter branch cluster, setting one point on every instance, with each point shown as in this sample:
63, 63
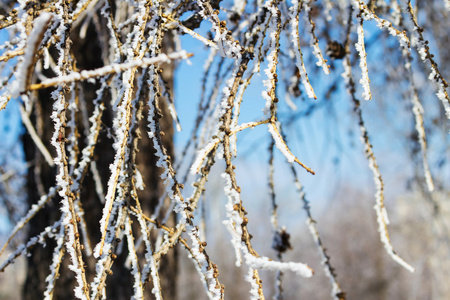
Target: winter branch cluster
250, 38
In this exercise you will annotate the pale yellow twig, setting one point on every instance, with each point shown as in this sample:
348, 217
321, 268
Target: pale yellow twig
36, 139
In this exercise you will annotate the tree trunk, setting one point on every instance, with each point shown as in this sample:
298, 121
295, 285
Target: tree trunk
88, 54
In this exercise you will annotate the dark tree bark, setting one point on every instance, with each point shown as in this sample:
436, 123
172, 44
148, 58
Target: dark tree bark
88, 55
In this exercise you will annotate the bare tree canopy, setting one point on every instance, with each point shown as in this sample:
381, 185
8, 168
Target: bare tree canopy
111, 198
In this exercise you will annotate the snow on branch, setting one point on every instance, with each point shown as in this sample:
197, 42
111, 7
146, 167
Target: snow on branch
30, 214
336, 292
58, 254
381, 212
306, 5
294, 12
360, 47
423, 49
284, 149
418, 112
24, 248
267, 264
24, 71
110, 69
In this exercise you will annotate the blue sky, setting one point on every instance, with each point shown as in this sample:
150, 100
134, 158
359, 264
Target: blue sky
328, 143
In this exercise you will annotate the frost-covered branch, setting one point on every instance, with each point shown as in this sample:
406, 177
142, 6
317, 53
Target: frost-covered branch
110, 69
92, 109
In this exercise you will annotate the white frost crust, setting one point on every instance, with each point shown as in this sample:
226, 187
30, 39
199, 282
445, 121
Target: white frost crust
101, 262
365, 81
380, 209
336, 289
233, 224
116, 68
271, 265
167, 176
122, 106
347, 74
174, 115
197, 36
418, 111
62, 181
384, 24
420, 43
254, 295
20, 25
150, 266
46, 58
298, 54
114, 52
289, 102
382, 217
23, 70
268, 83
22, 249
137, 286
120, 124
280, 144
314, 42
227, 46
201, 264
51, 278
201, 155
32, 211
234, 220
